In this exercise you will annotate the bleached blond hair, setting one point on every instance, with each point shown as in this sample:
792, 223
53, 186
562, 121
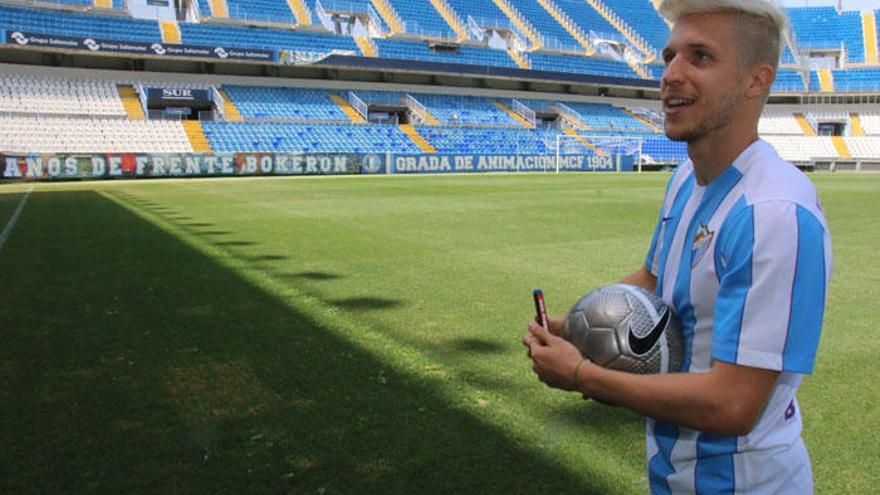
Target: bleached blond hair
761, 24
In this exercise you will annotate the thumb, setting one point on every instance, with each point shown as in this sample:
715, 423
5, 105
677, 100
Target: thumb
540, 333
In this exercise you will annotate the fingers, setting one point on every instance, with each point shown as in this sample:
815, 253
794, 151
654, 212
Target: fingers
556, 325
539, 333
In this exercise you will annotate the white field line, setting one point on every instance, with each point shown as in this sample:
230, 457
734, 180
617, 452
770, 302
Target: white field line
11, 223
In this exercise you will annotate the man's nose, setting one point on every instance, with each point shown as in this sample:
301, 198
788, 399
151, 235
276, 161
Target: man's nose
673, 73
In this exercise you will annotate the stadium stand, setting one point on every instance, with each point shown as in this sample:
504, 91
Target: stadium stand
227, 137
78, 25
870, 121
489, 141
284, 103
35, 95
275, 11
580, 65
419, 18
803, 148
661, 150
264, 38
824, 28
641, 14
856, 80
607, 117
864, 148
108, 114
484, 12
588, 19
29, 134
788, 80
553, 34
465, 110
779, 121
465, 54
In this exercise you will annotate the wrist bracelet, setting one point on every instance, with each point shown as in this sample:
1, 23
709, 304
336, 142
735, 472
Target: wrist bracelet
577, 378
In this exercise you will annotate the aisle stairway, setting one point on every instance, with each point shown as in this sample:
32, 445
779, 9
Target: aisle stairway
196, 135
805, 124
417, 138
515, 116
856, 125
345, 106
826, 81
520, 22
389, 15
568, 23
131, 102
219, 9
229, 109
170, 32
869, 32
451, 17
300, 12
627, 31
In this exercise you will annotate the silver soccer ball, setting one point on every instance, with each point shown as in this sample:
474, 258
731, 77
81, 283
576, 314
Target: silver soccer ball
626, 328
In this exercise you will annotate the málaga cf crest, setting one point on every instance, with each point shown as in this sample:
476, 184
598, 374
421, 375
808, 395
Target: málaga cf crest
702, 241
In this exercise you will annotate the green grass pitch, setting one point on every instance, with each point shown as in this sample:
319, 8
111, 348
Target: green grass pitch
357, 335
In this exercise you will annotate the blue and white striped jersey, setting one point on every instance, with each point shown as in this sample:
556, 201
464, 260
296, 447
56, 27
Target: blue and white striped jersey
745, 262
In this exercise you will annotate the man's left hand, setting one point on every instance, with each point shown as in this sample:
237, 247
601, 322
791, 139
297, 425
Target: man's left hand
554, 359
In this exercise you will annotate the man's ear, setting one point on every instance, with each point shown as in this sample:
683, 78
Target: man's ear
761, 78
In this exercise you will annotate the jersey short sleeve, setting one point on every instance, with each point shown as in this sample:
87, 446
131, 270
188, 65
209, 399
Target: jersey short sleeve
771, 265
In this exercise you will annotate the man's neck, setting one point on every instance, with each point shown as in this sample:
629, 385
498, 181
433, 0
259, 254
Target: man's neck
711, 155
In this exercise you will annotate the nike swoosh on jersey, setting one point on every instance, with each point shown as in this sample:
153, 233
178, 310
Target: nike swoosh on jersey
641, 345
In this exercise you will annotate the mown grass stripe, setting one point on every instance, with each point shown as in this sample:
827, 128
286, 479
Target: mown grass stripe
11, 223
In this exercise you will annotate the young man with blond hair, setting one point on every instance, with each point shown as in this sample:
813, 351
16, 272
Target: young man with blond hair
742, 254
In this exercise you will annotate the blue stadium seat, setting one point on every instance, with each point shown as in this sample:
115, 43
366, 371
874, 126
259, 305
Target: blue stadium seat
606, 117
580, 65
466, 54
788, 80
465, 110
79, 25
641, 16
856, 80
421, 18
290, 137
255, 102
261, 10
264, 38
555, 36
824, 28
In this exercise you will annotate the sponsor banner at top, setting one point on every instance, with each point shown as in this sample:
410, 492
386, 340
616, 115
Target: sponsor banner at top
97, 45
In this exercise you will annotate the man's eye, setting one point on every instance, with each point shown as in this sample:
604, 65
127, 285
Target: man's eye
703, 56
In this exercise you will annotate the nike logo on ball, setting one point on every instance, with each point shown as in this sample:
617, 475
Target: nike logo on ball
641, 345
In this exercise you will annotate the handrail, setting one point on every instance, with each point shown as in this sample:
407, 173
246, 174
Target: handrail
566, 111
525, 112
417, 108
324, 17
358, 104
375, 22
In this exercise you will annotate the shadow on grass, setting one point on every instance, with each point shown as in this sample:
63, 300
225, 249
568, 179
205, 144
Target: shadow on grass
366, 303
319, 276
479, 346
133, 363
235, 243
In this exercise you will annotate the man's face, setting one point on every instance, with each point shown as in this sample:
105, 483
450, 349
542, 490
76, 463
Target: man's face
702, 86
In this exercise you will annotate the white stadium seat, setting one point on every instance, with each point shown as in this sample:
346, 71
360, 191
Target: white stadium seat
91, 135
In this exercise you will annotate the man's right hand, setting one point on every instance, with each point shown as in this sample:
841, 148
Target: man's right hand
556, 323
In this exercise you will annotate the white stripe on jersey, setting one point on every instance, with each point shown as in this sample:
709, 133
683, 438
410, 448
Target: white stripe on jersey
768, 303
